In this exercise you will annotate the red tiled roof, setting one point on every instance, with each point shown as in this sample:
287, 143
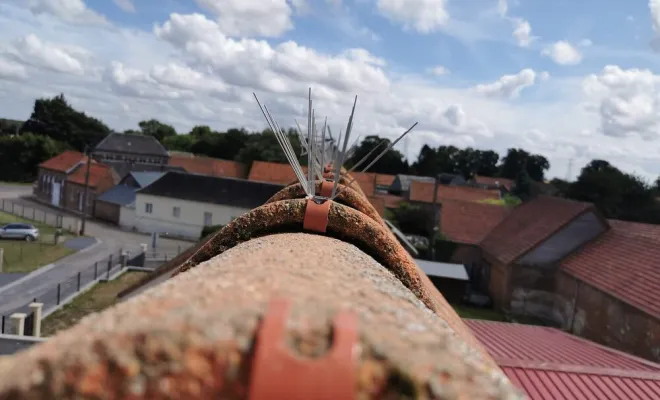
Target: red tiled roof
468, 222
210, 166
97, 174
378, 203
64, 161
488, 180
529, 224
509, 343
366, 180
549, 364
264, 171
385, 179
423, 192
624, 262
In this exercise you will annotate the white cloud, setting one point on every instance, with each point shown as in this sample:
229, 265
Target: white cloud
508, 86
73, 11
502, 7
125, 5
563, 53
439, 70
585, 43
455, 115
522, 32
362, 55
30, 50
12, 70
627, 101
423, 16
251, 17
544, 76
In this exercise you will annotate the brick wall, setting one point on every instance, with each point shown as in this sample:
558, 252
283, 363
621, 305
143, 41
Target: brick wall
72, 191
604, 319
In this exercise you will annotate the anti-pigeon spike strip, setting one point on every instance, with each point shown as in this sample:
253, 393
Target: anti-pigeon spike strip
349, 127
285, 143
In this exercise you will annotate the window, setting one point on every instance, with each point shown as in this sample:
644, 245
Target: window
208, 219
148, 208
176, 212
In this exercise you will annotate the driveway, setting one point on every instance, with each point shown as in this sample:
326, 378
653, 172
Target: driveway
110, 240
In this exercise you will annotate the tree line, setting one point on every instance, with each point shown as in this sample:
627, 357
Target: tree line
55, 126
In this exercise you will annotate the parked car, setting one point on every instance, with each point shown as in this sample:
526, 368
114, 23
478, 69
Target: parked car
25, 232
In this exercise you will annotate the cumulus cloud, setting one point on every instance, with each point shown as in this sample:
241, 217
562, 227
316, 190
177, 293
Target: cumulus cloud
31, 50
508, 86
73, 11
423, 16
563, 53
251, 17
12, 70
626, 100
522, 32
125, 5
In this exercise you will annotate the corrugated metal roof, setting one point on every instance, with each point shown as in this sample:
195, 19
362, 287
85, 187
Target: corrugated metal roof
122, 195
518, 342
559, 385
443, 270
549, 364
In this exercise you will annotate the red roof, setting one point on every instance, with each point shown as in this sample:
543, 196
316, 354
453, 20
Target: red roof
624, 262
530, 224
64, 161
468, 222
423, 192
210, 166
488, 180
378, 203
366, 180
98, 173
550, 364
280, 173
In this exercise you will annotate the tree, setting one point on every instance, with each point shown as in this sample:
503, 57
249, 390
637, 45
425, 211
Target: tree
487, 162
201, 131
156, 129
56, 119
179, 143
264, 147
21, 155
427, 162
518, 159
391, 162
522, 186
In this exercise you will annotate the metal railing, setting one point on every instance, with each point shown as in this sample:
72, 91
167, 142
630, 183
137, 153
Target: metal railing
40, 215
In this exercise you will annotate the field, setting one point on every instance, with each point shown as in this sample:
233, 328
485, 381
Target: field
21, 256
98, 298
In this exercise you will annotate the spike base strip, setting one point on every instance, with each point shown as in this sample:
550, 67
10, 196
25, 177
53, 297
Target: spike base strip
347, 197
276, 374
344, 223
316, 216
193, 336
326, 188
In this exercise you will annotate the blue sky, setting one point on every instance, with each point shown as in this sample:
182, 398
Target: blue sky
570, 80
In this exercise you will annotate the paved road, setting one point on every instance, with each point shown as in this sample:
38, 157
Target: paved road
9, 191
110, 241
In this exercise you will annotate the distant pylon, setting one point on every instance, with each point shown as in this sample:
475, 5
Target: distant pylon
569, 171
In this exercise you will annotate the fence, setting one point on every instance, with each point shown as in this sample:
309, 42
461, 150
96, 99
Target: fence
52, 218
69, 288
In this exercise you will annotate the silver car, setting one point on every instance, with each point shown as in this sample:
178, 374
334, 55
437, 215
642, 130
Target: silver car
25, 232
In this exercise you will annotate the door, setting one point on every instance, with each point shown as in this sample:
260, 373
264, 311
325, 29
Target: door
55, 193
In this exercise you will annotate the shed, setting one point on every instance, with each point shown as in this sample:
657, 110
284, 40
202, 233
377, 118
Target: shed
450, 279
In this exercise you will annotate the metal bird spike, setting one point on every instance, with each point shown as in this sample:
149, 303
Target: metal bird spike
349, 127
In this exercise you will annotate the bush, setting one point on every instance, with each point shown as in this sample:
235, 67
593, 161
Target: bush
209, 229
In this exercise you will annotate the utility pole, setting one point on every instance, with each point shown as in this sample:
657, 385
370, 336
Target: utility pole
84, 202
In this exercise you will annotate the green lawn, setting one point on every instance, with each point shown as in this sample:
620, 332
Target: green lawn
16, 183
20, 256
98, 298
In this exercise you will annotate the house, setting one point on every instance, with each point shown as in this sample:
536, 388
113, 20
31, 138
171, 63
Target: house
490, 182
270, 172
422, 192
609, 291
521, 254
181, 204
52, 176
101, 178
126, 152
209, 166
401, 183
117, 205
549, 364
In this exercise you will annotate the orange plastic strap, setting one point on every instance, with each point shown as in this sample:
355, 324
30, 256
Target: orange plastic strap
278, 375
316, 216
326, 188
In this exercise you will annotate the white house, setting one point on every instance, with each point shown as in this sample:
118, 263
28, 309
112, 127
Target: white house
181, 204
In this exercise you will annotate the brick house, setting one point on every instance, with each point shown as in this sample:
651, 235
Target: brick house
422, 192
209, 166
101, 178
53, 174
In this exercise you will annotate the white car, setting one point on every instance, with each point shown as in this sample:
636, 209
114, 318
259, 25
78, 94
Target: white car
25, 232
